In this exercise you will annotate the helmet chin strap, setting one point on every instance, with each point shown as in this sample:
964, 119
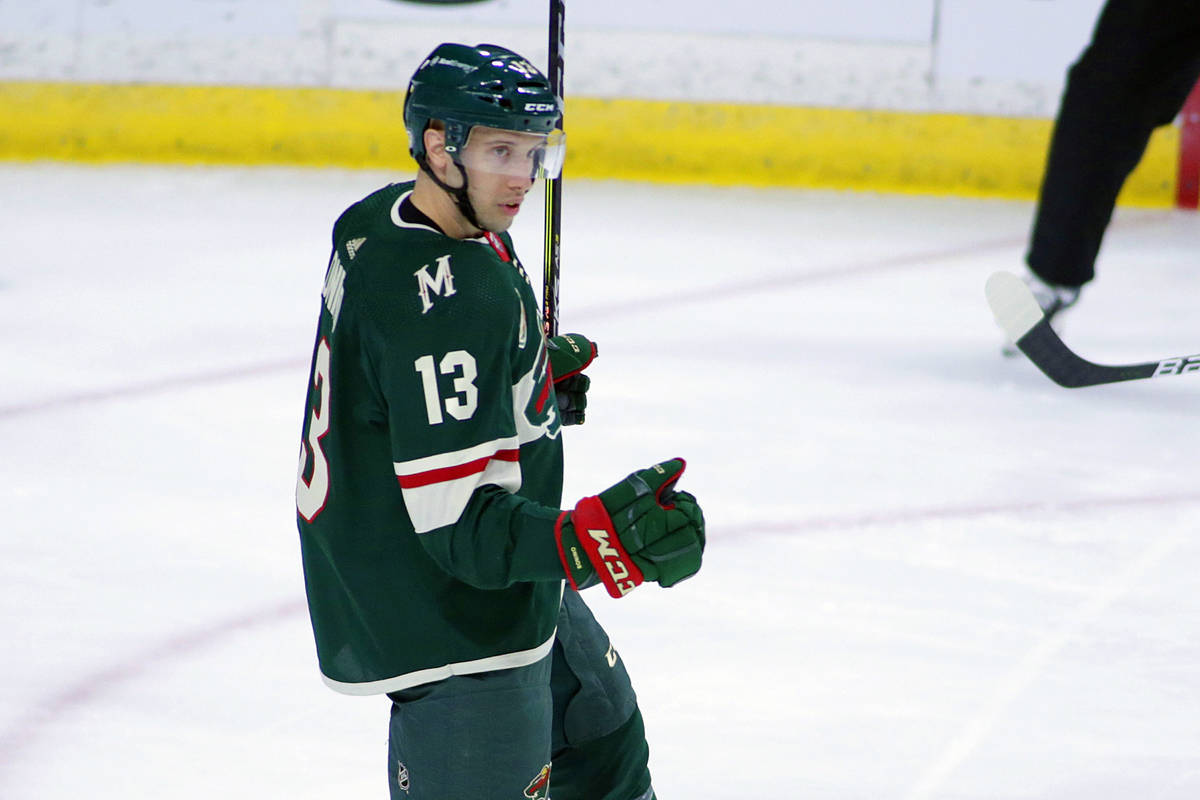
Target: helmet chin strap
457, 193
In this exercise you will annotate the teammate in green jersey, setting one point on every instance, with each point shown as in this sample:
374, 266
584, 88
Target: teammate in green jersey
439, 566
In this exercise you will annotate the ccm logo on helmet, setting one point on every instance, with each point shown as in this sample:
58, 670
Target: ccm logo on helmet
540, 107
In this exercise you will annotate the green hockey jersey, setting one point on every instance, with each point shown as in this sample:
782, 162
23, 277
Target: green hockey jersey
430, 471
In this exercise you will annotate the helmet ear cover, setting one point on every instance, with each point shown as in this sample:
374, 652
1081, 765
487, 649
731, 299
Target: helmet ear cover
456, 137
454, 141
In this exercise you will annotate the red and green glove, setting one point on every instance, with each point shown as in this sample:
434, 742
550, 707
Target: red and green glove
638, 530
570, 354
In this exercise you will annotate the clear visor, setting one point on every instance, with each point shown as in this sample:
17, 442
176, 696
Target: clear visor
515, 153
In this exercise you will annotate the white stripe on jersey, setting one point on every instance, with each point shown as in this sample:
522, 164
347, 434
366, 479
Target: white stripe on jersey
504, 661
437, 488
455, 458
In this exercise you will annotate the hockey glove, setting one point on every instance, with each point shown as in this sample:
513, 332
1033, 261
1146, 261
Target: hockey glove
570, 354
640, 529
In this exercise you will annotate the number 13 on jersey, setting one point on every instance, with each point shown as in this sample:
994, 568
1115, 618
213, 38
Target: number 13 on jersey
313, 492
465, 400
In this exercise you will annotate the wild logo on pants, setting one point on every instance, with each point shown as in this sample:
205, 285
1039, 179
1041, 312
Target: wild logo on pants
539, 787
402, 778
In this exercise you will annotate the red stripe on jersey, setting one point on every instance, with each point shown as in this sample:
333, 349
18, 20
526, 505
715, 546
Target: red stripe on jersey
545, 393
498, 245
444, 474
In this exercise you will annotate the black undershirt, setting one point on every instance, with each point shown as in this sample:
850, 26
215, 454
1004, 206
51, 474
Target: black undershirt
410, 213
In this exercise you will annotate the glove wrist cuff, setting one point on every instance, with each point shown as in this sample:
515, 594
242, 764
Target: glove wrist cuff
595, 534
574, 559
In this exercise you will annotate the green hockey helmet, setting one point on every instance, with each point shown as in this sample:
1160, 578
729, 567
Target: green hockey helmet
464, 86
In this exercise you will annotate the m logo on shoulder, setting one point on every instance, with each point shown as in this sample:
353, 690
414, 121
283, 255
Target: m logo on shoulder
441, 283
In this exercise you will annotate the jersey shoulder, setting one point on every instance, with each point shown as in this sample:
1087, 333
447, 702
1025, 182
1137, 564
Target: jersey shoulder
370, 211
407, 276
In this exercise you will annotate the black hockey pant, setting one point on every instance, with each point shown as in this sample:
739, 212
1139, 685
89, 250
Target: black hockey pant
1134, 76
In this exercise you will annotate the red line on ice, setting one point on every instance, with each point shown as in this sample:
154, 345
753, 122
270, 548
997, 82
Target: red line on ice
151, 387
95, 685
760, 284
916, 515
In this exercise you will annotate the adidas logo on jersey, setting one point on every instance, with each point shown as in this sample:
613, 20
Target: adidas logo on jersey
334, 289
352, 247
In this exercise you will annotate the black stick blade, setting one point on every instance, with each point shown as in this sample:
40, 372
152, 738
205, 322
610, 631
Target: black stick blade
1019, 316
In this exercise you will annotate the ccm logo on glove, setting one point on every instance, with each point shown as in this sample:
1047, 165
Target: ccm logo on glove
640, 529
624, 574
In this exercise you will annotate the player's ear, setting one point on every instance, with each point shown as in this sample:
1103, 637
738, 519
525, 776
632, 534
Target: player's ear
435, 147
441, 164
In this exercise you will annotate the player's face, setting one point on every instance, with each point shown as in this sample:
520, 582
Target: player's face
502, 166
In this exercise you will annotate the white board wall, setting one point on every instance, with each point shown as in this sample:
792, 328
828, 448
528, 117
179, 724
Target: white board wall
982, 56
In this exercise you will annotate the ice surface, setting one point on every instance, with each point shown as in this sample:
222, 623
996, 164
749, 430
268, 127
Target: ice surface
931, 573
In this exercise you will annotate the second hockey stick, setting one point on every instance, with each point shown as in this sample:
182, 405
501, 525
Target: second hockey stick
553, 224
1018, 314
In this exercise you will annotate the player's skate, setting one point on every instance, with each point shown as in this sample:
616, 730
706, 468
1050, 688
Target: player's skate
1051, 298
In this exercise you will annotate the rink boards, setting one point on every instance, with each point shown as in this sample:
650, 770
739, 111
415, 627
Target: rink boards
631, 139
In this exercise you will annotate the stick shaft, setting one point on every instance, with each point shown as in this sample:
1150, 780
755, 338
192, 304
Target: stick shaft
553, 224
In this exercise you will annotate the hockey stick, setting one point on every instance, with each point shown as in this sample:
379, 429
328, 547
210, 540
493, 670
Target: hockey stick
550, 259
1019, 315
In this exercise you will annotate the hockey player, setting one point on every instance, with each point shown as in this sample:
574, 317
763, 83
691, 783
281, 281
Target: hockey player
1134, 76
439, 567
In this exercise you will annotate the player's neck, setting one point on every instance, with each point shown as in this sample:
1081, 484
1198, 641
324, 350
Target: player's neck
439, 206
